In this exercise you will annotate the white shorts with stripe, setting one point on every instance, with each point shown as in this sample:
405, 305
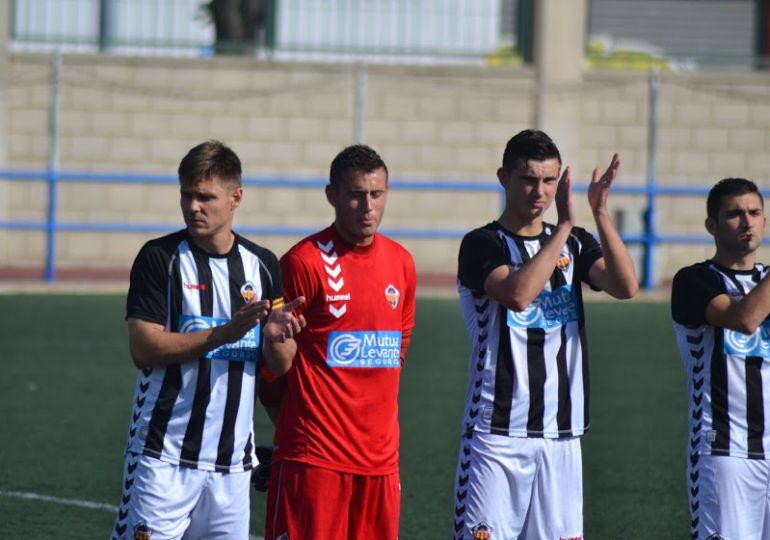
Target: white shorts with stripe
729, 498
165, 502
518, 488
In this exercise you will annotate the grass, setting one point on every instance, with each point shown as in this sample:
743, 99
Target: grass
67, 383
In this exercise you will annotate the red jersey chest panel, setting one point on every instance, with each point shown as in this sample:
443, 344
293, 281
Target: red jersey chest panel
359, 291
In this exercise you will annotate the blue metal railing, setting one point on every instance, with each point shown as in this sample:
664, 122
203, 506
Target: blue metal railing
649, 239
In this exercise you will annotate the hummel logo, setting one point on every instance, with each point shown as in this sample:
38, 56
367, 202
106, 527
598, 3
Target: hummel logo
336, 285
326, 247
194, 286
333, 272
329, 259
338, 312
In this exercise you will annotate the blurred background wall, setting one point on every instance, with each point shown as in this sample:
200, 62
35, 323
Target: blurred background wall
437, 87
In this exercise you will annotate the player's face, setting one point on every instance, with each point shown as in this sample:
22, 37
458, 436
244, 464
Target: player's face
208, 207
530, 187
740, 224
359, 204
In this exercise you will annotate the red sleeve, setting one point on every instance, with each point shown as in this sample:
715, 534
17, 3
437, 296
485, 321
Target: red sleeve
296, 282
407, 323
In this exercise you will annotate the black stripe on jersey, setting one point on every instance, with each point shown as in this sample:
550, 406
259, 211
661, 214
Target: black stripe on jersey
564, 407
172, 380
719, 402
535, 365
247, 454
536, 369
191, 446
503, 400
755, 414
236, 277
564, 411
175, 293
504, 382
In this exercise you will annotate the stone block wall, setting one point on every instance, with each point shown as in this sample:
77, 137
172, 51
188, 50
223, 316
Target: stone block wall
140, 115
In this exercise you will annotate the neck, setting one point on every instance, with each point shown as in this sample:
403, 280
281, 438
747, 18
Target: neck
519, 226
735, 261
218, 244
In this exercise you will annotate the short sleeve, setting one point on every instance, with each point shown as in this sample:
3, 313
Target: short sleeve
297, 280
147, 293
407, 321
590, 251
480, 253
693, 289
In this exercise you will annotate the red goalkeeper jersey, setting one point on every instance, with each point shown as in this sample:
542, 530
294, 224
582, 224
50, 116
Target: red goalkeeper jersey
339, 402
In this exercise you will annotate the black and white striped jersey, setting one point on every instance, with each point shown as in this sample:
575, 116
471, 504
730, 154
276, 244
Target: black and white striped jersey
728, 373
199, 413
528, 373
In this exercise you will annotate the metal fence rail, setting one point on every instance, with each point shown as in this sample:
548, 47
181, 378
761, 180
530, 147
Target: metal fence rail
650, 238
457, 29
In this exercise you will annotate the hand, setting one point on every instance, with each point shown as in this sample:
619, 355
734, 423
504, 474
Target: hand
243, 320
260, 476
282, 324
564, 209
599, 188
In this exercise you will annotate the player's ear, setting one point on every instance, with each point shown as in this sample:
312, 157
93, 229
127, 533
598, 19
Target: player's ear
236, 197
711, 225
502, 177
331, 195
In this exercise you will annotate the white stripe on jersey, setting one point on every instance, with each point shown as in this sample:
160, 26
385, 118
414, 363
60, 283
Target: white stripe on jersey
180, 417
212, 428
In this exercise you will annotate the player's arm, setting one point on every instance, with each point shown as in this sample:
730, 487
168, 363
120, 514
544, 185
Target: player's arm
744, 316
279, 331
516, 289
150, 345
408, 309
614, 272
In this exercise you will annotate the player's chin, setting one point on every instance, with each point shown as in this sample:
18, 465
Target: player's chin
366, 230
197, 230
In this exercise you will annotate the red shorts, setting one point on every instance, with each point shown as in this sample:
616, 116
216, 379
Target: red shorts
311, 503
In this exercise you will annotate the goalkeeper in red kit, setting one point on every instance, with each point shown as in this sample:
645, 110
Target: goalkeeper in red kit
334, 473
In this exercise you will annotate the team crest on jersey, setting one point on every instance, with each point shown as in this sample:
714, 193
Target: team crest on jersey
392, 295
482, 531
716, 536
563, 263
142, 532
284, 536
248, 291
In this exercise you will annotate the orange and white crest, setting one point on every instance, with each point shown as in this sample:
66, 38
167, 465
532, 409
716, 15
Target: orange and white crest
392, 295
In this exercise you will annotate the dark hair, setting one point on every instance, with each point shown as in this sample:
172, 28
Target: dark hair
528, 144
729, 187
209, 160
357, 158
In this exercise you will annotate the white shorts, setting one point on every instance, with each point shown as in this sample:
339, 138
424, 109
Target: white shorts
166, 501
511, 488
729, 498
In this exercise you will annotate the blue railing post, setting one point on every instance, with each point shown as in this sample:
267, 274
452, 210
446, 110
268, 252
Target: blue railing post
53, 170
650, 236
